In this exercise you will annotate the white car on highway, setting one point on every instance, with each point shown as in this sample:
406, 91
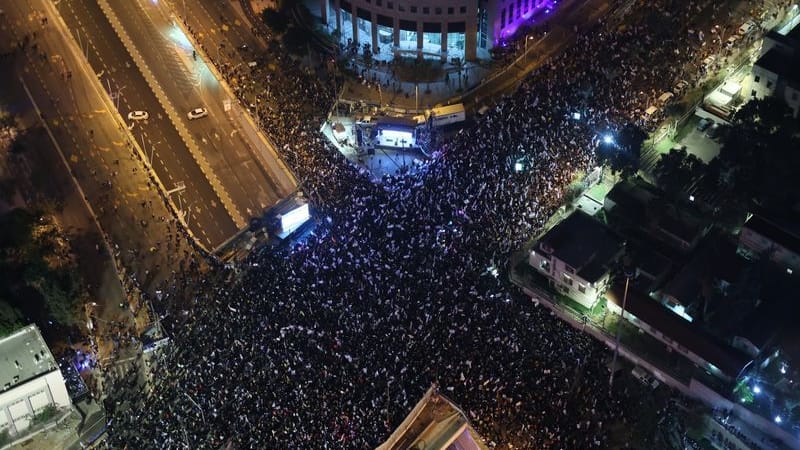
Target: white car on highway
197, 113
138, 115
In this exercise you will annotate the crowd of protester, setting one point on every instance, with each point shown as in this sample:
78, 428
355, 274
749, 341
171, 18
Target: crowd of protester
329, 343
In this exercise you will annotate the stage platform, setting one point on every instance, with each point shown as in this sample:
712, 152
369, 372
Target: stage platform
395, 139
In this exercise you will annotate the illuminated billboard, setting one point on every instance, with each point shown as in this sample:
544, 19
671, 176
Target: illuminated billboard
294, 218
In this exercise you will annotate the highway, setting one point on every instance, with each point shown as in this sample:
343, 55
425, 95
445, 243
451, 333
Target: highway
93, 149
172, 161
249, 171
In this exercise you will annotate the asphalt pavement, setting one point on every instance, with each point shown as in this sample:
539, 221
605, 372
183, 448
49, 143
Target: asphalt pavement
248, 170
172, 162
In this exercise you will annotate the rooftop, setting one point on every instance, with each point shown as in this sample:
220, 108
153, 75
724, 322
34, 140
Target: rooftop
585, 244
715, 261
777, 62
633, 196
776, 230
24, 356
689, 335
773, 322
435, 422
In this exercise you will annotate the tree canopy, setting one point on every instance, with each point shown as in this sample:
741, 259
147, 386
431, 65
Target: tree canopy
675, 170
38, 280
759, 156
297, 40
622, 154
275, 20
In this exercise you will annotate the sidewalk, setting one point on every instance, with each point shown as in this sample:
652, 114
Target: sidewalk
483, 81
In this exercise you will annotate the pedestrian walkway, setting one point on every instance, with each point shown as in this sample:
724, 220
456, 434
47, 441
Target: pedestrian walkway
473, 83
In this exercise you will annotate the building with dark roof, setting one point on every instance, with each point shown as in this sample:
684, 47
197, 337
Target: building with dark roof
683, 337
577, 256
777, 71
639, 208
771, 237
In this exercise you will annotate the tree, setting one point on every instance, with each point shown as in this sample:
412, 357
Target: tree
766, 116
10, 318
758, 159
275, 20
37, 277
675, 170
622, 152
297, 40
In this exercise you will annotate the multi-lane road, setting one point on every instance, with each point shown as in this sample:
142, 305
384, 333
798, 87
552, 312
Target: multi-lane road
221, 170
171, 159
248, 168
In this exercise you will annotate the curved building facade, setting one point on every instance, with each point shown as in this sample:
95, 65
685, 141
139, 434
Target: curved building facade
442, 29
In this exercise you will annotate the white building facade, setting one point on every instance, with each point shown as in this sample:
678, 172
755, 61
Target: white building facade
576, 256
566, 281
439, 29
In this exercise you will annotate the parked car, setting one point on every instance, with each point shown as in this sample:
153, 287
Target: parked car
714, 131
746, 28
138, 115
665, 98
704, 124
197, 113
680, 87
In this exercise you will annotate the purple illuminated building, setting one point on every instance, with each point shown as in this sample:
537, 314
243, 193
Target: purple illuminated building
437, 29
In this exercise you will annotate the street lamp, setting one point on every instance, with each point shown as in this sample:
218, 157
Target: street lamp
628, 275
528, 38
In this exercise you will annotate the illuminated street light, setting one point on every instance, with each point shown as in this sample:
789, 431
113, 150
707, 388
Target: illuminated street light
778, 419
576, 116
756, 389
608, 139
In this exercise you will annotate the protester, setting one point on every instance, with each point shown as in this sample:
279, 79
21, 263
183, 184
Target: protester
330, 343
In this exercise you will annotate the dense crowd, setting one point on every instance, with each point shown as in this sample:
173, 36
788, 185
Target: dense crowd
329, 344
